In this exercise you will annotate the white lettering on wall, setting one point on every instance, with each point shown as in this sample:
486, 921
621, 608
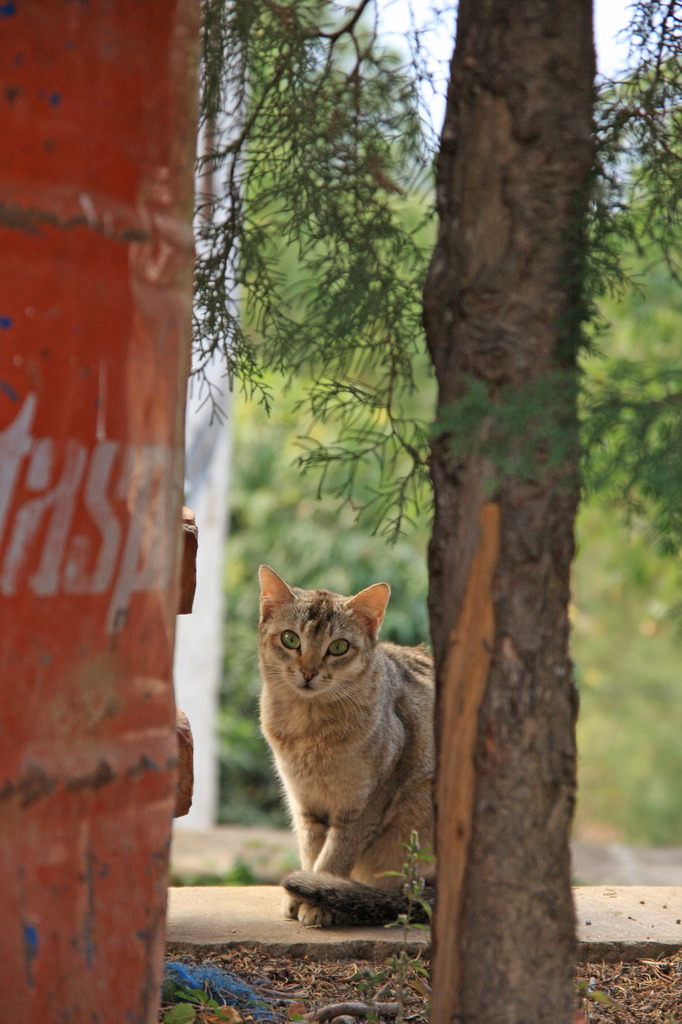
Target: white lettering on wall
126, 558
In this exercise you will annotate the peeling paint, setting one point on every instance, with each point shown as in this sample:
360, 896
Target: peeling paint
8, 390
89, 918
34, 784
103, 391
98, 777
34, 220
30, 951
88, 207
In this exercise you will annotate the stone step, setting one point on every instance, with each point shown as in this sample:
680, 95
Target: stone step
614, 923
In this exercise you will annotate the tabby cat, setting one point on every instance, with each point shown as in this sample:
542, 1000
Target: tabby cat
350, 723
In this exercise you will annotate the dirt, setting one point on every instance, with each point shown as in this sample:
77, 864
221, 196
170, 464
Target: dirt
645, 991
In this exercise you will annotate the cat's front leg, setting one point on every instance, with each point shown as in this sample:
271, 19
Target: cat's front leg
337, 857
311, 831
341, 848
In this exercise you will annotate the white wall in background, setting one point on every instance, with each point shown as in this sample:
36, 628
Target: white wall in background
198, 645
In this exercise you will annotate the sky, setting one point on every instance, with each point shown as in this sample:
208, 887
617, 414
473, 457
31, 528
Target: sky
610, 17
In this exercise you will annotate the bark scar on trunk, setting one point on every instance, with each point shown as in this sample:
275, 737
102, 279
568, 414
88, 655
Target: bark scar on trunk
466, 669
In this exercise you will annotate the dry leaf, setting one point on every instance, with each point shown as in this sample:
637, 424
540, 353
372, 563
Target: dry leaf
227, 1013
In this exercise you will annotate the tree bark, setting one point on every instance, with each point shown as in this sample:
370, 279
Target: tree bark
502, 305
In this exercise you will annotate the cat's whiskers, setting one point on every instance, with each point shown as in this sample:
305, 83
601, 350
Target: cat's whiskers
348, 700
346, 712
352, 684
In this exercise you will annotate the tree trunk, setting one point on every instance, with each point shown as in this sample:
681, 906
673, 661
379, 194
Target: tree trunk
502, 306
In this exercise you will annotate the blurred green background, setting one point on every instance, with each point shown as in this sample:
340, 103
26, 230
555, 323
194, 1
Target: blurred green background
626, 624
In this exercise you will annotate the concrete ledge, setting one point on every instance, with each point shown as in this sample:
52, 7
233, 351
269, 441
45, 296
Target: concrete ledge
212, 919
628, 922
614, 923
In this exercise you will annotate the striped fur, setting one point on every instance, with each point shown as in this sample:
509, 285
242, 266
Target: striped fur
349, 902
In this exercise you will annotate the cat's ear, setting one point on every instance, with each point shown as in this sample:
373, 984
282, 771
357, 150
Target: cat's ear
370, 604
273, 591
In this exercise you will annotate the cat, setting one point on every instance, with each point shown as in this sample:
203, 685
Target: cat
349, 720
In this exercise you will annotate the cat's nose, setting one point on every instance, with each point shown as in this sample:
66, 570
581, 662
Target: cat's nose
309, 672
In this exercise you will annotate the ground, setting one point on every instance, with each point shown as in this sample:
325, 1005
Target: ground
645, 991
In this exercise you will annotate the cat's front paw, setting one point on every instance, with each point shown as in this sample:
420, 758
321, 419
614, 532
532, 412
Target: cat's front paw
290, 907
315, 917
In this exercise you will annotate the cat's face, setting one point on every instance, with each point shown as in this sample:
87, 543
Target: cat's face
314, 641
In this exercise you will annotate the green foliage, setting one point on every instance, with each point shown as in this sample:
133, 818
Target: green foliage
626, 639
632, 400
632, 410
313, 253
313, 266
625, 642
240, 874
317, 148
627, 651
639, 136
627, 579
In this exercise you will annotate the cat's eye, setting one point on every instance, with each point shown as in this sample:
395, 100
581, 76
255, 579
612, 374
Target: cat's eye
290, 640
338, 647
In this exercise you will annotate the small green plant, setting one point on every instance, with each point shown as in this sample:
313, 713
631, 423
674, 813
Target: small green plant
588, 992
414, 882
192, 1003
181, 1013
402, 970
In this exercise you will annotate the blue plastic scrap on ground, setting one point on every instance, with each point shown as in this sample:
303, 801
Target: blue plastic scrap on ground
219, 985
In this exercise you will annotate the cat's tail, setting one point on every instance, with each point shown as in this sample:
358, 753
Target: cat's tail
354, 903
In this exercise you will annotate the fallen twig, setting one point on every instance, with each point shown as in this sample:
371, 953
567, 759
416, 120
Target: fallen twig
323, 1013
